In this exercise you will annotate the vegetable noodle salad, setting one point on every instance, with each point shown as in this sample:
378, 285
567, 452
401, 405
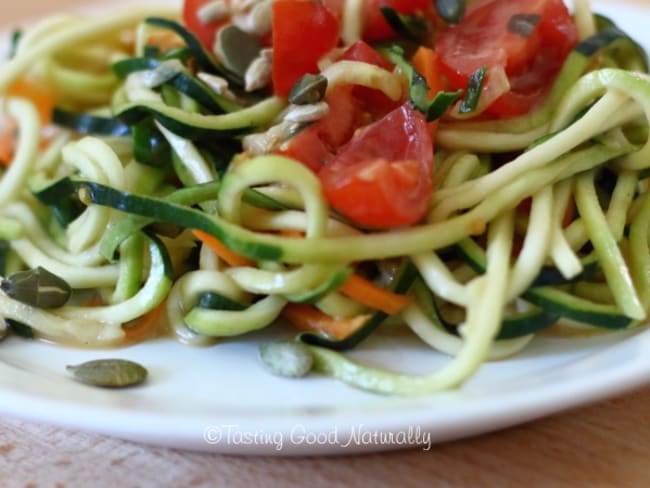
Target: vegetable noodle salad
474, 173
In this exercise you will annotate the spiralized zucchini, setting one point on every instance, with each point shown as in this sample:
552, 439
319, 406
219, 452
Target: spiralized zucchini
556, 236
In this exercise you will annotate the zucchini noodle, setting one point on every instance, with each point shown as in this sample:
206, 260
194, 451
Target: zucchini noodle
159, 183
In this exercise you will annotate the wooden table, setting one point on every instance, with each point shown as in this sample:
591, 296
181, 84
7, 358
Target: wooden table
607, 444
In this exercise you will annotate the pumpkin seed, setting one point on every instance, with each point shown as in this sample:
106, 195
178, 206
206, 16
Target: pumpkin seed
308, 89
236, 49
451, 11
37, 287
109, 373
290, 359
523, 24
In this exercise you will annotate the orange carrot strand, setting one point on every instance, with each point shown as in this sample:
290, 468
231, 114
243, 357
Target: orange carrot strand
225, 253
374, 296
306, 318
145, 326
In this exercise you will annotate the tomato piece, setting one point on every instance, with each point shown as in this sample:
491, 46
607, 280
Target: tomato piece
531, 57
303, 32
316, 144
362, 51
206, 33
383, 176
372, 100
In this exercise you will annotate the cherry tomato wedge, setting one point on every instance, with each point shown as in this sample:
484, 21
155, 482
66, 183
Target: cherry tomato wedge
316, 144
383, 176
373, 101
529, 39
205, 32
303, 32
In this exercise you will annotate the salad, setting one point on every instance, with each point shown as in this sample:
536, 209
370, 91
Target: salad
474, 173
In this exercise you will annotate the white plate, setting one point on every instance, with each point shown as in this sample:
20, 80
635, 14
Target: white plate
221, 399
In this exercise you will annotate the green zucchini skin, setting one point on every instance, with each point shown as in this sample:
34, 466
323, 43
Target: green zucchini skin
181, 81
195, 126
204, 59
405, 279
84, 123
513, 326
555, 301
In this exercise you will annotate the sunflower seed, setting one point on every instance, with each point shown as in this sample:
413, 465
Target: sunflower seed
306, 113
213, 12
258, 73
255, 20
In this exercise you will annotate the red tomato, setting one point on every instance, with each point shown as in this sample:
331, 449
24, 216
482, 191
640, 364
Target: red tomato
373, 101
362, 51
316, 144
303, 32
531, 61
205, 32
383, 176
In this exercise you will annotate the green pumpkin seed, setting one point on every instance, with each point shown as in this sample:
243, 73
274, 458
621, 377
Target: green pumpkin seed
308, 89
37, 287
236, 49
109, 373
523, 24
451, 11
290, 359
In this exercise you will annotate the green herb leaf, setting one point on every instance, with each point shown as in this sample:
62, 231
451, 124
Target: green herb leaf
15, 39
473, 92
418, 89
410, 27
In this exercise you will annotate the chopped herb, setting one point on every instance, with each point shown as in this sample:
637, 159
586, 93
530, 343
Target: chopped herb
15, 39
410, 27
418, 88
473, 92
